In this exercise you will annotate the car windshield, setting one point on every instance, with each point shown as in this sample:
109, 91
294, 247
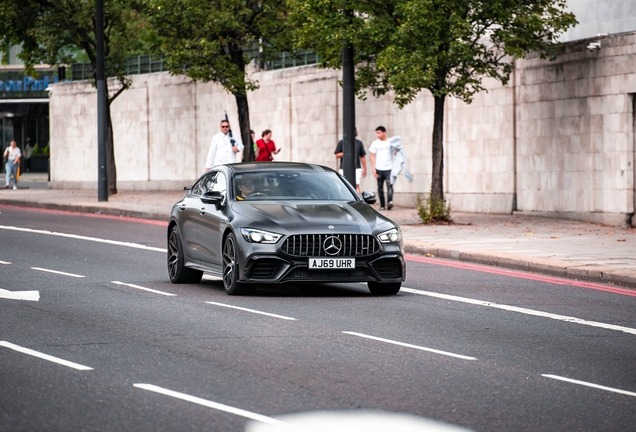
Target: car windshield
291, 185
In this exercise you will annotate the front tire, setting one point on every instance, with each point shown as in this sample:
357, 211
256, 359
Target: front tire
177, 271
231, 269
384, 289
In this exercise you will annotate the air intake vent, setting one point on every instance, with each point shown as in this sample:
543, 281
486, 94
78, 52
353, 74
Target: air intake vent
263, 268
389, 268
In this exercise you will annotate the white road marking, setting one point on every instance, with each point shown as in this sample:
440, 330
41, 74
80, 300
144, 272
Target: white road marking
57, 272
211, 404
522, 310
79, 237
446, 353
44, 356
20, 295
5, 262
588, 384
252, 311
142, 288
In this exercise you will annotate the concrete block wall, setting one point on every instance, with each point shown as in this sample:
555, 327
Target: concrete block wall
479, 148
560, 135
575, 132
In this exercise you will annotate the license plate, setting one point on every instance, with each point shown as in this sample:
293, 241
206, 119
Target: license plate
331, 263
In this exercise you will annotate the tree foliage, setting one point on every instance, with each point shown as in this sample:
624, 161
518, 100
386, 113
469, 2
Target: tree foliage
60, 32
209, 41
447, 47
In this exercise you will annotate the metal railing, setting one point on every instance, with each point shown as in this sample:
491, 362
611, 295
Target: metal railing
135, 65
141, 64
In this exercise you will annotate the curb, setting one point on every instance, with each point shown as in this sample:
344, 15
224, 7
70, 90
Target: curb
110, 211
608, 275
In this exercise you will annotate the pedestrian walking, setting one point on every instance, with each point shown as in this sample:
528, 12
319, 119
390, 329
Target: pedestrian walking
253, 144
12, 157
361, 160
223, 148
266, 147
382, 164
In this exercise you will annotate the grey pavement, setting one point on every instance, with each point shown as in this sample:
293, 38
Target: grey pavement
565, 248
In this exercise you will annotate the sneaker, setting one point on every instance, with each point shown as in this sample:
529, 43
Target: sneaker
6, 186
381, 208
390, 206
15, 187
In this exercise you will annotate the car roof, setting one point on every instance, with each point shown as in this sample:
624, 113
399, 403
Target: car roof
244, 167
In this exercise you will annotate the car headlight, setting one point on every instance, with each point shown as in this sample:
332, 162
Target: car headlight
259, 236
390, 236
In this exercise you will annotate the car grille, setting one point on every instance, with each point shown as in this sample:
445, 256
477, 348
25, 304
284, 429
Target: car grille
312, 245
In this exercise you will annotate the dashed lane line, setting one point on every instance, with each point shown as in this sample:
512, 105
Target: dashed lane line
252, 311
44, 356
432, 350
522, 310
143, 288
210, 404
79, 237
589, 384
57, 272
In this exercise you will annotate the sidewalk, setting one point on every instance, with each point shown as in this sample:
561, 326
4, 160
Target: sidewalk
565, 248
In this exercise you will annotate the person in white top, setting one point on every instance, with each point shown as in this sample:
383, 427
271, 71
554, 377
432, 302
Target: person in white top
382, 163
13, 155
223, 148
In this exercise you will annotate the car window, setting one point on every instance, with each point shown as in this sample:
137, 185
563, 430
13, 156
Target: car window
219, 184
196, 189
207, 183
290, 185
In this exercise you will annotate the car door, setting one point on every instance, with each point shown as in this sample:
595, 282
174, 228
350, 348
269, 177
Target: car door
188, 217
210, 218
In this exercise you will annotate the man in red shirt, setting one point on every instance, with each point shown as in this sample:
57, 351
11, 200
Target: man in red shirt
266, 147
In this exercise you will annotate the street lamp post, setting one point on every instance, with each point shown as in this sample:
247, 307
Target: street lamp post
348, 111
100, 81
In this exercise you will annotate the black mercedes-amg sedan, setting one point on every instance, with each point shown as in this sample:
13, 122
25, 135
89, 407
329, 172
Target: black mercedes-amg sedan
278, 222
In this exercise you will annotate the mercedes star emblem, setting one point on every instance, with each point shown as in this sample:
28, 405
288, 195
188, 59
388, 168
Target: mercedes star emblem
330, 227
332, 245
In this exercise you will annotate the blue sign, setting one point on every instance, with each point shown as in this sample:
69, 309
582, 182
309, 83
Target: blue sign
27, 84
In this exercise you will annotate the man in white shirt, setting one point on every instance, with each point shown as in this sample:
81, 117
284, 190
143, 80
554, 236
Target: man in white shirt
223, 148
382, 163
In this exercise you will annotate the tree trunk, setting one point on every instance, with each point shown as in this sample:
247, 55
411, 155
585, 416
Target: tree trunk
236, 54
111, 170
244, 124
437, 184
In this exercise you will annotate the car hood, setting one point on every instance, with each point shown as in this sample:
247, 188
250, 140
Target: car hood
313, 217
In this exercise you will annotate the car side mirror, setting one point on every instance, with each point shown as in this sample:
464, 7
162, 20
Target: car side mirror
187, 188
213, 197
369, 197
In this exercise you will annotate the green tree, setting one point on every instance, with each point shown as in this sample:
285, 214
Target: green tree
59, 32
444, 46
209, 41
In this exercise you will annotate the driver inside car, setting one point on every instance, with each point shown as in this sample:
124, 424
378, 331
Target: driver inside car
246, 186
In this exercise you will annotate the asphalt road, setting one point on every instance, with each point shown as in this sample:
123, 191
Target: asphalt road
480, 348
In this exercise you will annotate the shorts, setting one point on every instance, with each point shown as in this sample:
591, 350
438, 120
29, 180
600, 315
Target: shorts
358, 174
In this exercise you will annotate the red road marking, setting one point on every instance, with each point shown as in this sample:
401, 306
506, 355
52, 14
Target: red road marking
93, 215
522, 275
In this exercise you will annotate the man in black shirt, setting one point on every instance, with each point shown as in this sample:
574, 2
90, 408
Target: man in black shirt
361, 161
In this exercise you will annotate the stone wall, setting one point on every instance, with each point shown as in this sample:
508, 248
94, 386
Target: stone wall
575, 132
557, 140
